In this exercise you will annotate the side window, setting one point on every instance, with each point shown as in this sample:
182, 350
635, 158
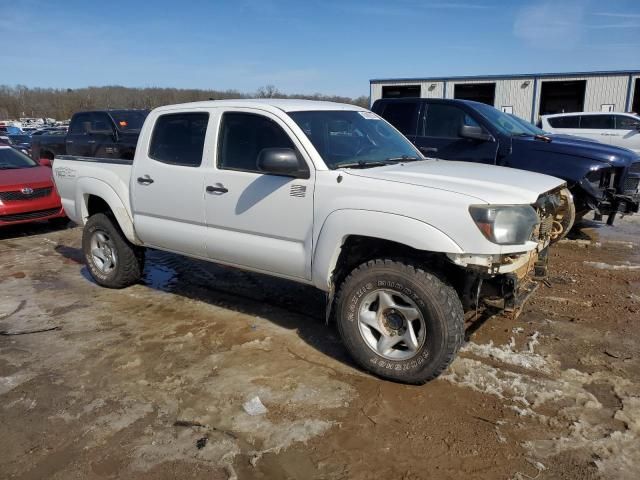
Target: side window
597, 122
243, 136
572, 121
81, 124
100, 124
444, 121
402, 115
178, 138
627, 123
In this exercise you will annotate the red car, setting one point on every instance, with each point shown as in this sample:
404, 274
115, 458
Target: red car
27, 192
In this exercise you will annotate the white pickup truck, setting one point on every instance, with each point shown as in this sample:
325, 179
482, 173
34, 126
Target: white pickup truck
329, 195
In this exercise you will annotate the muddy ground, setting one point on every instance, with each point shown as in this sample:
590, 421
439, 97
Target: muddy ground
150, 382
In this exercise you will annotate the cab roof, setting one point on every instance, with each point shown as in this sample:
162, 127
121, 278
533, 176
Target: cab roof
286, 105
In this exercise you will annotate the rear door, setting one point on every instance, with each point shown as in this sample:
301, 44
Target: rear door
257, 220
168, 183
438, 135
566, 124
78, 135
597, 127
102, 136
627, 133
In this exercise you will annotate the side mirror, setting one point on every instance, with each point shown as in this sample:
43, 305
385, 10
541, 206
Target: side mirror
45, 162
281, 161
474, 133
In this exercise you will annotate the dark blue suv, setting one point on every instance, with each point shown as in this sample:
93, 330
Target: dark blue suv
601, 177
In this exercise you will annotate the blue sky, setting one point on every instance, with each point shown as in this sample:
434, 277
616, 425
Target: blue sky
306, 46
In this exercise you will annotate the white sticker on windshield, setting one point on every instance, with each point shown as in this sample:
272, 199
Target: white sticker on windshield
369, 115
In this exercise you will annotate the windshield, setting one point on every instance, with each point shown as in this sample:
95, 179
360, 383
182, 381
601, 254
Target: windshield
129, 121
12, 159
529, 126
503, 121
354, 138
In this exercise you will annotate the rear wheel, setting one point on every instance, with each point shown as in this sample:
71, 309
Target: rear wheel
111, 259
399, 321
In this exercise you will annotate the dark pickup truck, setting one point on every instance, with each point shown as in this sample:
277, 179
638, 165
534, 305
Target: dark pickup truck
101, 133
601, 177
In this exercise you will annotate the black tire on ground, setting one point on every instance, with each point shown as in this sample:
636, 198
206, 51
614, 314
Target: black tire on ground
436, 301
59, 221
130, 258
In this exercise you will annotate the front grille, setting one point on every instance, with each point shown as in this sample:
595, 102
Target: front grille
631, 184
634, 168
29, 215
18, 195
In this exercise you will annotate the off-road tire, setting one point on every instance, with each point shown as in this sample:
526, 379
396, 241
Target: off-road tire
130, 263
437, 301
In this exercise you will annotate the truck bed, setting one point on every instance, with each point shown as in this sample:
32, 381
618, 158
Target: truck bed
71, 173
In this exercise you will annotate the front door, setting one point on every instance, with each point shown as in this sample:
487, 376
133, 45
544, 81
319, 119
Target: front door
627, 133
439, 135
168, 184
259, 221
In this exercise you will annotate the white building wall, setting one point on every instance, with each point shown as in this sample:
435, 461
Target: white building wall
518, 93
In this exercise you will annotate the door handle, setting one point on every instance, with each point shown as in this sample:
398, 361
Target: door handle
146, 180
428, 149
221, 189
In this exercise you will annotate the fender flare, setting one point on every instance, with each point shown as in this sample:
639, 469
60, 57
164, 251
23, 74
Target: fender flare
87, 187
341, 224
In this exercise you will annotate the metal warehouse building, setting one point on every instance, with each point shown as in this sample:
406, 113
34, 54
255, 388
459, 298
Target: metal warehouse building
527, 96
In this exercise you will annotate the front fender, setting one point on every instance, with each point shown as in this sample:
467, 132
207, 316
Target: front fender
88, 186
341, 224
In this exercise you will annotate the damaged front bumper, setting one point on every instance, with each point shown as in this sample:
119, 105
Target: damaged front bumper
612, 193
503, 282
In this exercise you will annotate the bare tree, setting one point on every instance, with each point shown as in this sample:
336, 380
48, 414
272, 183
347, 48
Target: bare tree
20, 101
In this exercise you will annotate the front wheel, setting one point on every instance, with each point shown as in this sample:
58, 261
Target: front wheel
111, 259
399, 321
564, 217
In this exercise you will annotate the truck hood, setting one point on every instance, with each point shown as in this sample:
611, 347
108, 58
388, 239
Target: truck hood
581, 147
486, 183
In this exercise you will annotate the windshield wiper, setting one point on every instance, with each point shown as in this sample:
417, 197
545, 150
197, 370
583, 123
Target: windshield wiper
361, 164
403, 158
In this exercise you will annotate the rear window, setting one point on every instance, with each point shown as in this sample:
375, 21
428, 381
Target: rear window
129, 121
178, 138
402, 115
565, 122
597, 122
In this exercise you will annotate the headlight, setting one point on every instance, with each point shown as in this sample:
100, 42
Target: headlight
505, 224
